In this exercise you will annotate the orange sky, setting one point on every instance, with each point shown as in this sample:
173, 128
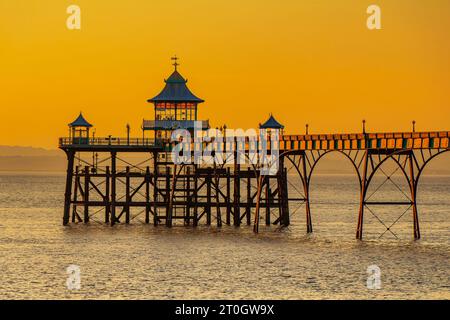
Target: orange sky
305, 61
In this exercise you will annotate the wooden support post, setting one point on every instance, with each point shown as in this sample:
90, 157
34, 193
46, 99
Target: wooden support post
168, 198
249, 197
106, 199
258, 203
228, 199
267, 196
280, 195
113, 188
127, 195
359, 227
147, 195
237, 194
187, 220
75, 194
86, 194
217, 182
195, 219
208, 199
286, 216
155, 189
67, 195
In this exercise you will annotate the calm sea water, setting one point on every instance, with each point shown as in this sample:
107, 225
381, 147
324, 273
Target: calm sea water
143, 262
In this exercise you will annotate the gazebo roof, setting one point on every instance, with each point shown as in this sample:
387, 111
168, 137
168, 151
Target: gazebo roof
176, 90
271, 123
80, 122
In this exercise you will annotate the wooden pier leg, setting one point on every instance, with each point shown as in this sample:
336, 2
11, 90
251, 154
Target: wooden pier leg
106, 199
168, 198
413, 187
86, 194
359, 228
258, 203
237, 194
208, 199
127, 195
147, 195
286, 216
67, 194
113, 188
267, 195
155, 189
280, 196
217, 182
249, 197
228, 194
195, 219
187, 220
75, 194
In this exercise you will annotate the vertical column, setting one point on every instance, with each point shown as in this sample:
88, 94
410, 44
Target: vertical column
127, 195
195, 219
249, 197
188, 197
168, 199
67, 195
155, 189
359, 228
86, 194
147, 195
113, 188
305, 174
237, 191
208, 198
267, 195
228, 199
413, 187
286, 216
258, 203
216, 189
107, 196
280, 196
75, 194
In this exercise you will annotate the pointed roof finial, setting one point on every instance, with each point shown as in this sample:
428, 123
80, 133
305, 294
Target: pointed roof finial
175, 63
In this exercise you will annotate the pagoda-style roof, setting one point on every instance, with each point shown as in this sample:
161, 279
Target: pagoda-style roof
80, 122
271, 123
176, 90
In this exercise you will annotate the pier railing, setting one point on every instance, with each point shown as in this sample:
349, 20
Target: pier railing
108, 141
396, 141
174, 124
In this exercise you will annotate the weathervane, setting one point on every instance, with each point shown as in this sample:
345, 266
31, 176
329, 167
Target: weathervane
175, 59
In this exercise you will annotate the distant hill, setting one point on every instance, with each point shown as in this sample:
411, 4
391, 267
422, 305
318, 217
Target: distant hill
15, 158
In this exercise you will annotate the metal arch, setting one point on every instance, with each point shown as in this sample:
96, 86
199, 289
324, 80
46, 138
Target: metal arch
411, 179
287, 154
421, 169
296, 168
390, 156
341, 152
307, 179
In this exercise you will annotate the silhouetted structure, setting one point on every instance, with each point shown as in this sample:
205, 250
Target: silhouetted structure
231, 194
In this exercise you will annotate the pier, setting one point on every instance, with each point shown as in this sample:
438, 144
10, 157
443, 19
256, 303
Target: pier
160, 192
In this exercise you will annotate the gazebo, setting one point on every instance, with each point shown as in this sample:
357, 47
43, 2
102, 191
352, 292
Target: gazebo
176, 107
271, 124
79, 130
